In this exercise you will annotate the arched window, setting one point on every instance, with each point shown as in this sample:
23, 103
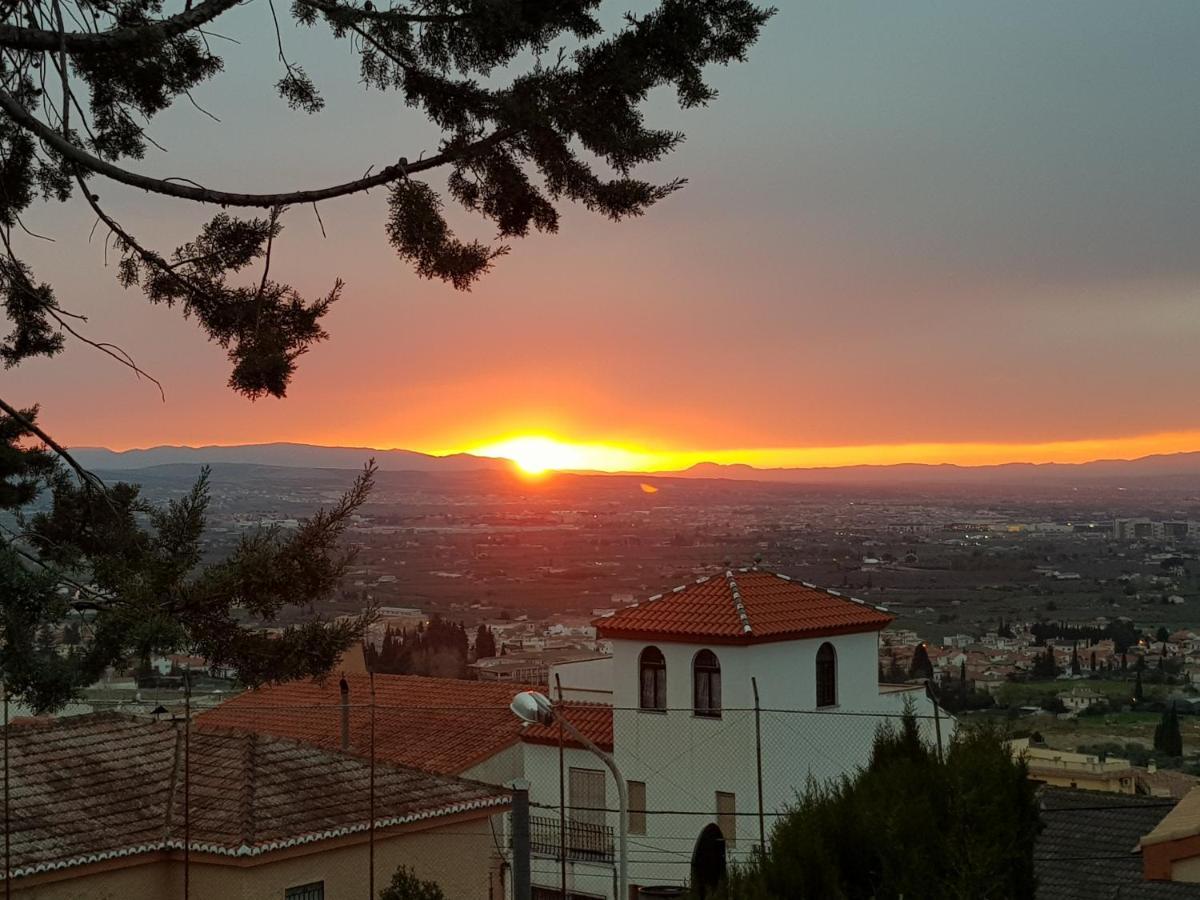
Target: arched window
706, 685
826, 676
653, 679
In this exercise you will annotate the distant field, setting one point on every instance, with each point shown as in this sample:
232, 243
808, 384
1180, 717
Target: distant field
1118, 692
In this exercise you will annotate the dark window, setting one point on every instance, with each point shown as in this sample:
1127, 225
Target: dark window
637, 807
826, 676
706, 684
313, 891
653, 679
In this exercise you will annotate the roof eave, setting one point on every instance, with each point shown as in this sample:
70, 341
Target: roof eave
678, 637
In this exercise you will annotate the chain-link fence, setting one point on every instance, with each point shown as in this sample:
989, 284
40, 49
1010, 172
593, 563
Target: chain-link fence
195, 797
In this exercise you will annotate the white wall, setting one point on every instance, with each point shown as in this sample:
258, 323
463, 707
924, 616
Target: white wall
786, 672
588, 680
685, 759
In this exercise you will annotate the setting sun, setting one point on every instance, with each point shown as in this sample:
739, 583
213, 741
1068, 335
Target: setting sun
538, 454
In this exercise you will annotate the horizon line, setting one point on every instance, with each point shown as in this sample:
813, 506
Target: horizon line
963, 455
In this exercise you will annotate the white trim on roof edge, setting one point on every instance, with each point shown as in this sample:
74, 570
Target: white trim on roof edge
257, 849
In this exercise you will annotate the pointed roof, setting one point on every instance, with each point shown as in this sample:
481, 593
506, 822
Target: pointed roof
743, 606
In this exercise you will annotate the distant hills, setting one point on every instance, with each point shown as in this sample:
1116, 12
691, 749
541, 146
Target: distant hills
309, 456
300, 456
1173, 465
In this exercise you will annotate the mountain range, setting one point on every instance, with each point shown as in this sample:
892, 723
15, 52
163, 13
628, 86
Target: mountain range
299, 456
310, 456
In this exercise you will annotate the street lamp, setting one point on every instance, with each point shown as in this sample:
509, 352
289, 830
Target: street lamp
535, 708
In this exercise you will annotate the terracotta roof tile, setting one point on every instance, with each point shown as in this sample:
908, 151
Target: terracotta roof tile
443, 725
744, 606
101, 786
595, 720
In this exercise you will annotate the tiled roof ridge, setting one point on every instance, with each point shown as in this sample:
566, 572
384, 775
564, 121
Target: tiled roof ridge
832, 592
173, 784
738, 605
249, 785
265, 846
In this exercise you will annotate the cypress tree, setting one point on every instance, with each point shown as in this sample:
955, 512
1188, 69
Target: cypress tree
921, 667
1168, 739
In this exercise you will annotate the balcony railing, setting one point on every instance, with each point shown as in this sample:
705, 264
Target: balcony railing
583, 840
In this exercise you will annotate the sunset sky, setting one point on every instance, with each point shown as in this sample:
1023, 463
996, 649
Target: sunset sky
954, 231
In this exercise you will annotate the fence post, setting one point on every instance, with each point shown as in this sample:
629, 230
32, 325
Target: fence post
371, 790
562, 797
187, 781
937, 717
520, 835
762, 827
7, 811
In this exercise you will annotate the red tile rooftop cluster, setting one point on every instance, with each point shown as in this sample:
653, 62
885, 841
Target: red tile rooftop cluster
442, 725
743, 606
594, 720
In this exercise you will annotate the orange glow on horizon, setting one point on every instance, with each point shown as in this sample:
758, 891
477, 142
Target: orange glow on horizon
537, 454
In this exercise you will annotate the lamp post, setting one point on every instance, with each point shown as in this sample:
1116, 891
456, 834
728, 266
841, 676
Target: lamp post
533, 707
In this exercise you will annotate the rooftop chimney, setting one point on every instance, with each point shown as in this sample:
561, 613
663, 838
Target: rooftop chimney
345, 687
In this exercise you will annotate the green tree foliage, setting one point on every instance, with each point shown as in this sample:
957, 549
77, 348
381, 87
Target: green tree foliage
1045, 665
405, 885
920, 667
1167, 738
440, 649
126, 578
909, 825
538, 104
485, 642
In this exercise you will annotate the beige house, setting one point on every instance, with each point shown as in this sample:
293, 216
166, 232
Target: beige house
1062, 768
110, 807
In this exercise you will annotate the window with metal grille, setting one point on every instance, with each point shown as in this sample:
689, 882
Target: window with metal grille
637, 807
312, 891
706, 685
653, 679
826, 676
727, 817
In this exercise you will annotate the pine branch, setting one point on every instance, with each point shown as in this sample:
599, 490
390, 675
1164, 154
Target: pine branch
388, 175
17, 38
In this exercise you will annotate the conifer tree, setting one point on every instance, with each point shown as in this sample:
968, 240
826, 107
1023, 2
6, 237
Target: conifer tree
485, 643
537, 104
1168, 739
921, 667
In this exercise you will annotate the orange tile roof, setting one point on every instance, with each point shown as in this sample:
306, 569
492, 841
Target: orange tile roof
106, 786
443, 725
595, 720
743, 606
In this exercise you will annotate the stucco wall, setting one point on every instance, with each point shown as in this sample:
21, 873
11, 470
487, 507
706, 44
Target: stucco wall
459, 856
684, 759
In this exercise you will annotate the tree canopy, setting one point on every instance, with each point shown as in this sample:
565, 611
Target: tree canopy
537, 103
910, 824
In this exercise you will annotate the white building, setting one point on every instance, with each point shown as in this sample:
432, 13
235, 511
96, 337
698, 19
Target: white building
682, 726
